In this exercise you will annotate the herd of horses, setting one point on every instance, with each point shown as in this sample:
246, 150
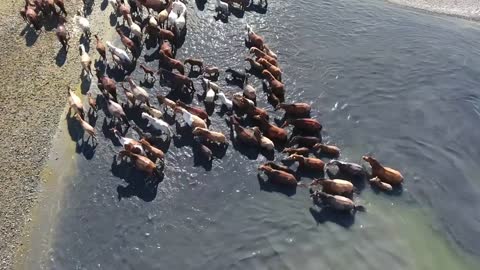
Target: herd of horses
165, 22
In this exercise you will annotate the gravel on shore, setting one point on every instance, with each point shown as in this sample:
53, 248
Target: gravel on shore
469, 9
34, 78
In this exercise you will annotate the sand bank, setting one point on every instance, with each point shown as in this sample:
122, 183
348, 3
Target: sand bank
469, 9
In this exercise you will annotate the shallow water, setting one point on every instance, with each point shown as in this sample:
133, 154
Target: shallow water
396, 83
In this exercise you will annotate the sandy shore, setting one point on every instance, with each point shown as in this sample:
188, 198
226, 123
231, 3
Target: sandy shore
33, 96
469, 9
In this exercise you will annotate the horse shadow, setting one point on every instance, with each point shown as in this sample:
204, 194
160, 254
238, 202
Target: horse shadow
99, 64
85, 41
107, 130
118, 74
268, 154
50, 22
254, 72
139, 184
224, 111
246, 150
194, 73
234, 81
74, 128
147, 83
61, 56
279, 121
258, 7
113, 19
87, 149
104, 5
221, 17
164, 145
184, 136
92, 117
31, 35
88, 7
85, 84
180, 94
209, 107
155, 55
134, 113
199, 159
150, 42
218, 150
201, 4
237, 12
265, 185
326, 214
181, 39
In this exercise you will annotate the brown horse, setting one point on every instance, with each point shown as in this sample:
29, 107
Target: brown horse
148, 71
194, 63
106, 83
260, 54
179, 81
275, 71
126, 41
271, 131
101, 48
172, 63
166, 48
30, 15
156, 5
275, 86
62, 34
254, 39
61, 5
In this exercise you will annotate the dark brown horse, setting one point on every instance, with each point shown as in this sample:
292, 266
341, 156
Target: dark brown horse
172, 63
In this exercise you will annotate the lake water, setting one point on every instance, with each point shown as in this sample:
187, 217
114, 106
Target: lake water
396, 83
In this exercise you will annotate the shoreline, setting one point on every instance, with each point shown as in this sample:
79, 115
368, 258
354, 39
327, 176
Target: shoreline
35, 76
60, 164
464, 9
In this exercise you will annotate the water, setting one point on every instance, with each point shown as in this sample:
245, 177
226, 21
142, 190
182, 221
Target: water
396, 83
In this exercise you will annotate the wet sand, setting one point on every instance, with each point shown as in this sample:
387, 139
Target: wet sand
469, 9
35, 73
